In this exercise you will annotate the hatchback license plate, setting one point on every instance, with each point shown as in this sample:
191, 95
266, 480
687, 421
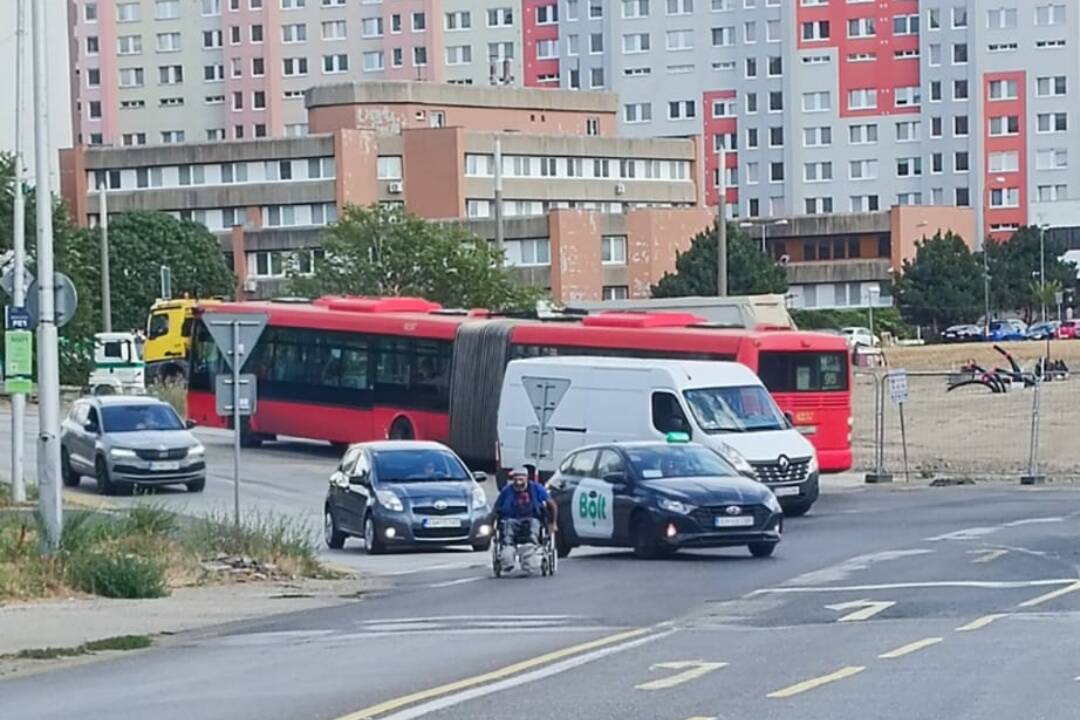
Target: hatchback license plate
437, 522
164, 466
744, 521
786, 491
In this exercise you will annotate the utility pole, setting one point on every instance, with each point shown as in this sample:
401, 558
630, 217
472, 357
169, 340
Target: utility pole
500, 240
1042, 269
106, 292
50, 498
986, 286
18, 400
721, 225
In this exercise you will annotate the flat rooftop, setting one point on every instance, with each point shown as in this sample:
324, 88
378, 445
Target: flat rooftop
407, 92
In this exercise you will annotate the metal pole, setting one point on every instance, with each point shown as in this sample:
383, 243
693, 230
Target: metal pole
721, 225
18, 400
500, 241
870, 308
50, 498
1042, 269
237, 354
106, 293
903, 440
764, 237
986, 287
1033, 477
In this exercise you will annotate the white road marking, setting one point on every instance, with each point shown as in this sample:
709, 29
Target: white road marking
451, 583
524, 679
477, 618
976, 584
967, 534
980, 623
692, 670
840, 572
429, 568
869, 609
986, 556
1051, 595
1034, 521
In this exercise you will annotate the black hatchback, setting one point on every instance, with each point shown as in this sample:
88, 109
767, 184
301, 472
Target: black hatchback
659, 497
399, 493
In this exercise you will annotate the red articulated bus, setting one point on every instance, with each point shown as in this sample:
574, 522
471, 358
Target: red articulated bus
352, 369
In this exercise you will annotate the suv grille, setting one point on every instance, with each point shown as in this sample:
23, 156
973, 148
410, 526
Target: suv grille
170, 454
771, 473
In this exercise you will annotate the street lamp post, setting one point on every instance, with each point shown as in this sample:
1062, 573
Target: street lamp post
1042, 269
871, 292
764, 230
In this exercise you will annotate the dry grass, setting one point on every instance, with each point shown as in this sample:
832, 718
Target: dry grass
951, 357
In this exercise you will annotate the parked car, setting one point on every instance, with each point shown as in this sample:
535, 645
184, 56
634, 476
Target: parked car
125, 440
1007, 330
404, 493
962, 333
1069, 330
860, 337
657, 497
1044, 330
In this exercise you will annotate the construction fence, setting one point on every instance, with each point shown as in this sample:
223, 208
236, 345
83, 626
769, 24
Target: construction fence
967, 431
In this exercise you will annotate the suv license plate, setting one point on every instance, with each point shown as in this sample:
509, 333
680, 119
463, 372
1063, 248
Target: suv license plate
164, 466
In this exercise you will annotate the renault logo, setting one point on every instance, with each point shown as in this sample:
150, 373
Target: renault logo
783, 463
734, 510
440, 504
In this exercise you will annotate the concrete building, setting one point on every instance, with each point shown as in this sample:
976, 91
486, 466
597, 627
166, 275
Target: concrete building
589, 215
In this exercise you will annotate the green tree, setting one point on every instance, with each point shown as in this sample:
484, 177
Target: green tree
942, 285
750, 271
1014, 271
381, 250
139, 244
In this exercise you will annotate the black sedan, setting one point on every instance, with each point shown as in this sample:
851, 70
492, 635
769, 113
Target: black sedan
397, 494
659, 497
963, 334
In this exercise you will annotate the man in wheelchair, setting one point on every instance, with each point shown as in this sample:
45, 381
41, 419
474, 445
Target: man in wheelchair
522, 506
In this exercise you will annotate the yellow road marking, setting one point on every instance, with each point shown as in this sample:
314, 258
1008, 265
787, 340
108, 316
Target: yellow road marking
416, 697
981, 622
988, 555
693, 669
1051, 595
817, 682
910, 648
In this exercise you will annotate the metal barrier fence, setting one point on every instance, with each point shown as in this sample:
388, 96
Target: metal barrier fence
969, 431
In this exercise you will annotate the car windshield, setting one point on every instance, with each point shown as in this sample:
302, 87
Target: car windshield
677, 461
418, 466
734, 409
136, 418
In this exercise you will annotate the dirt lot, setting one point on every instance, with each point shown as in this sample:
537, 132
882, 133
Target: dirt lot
971, 432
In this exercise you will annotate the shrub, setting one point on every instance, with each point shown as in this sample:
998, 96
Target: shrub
266, 538
117, 574
150, 519
174, 393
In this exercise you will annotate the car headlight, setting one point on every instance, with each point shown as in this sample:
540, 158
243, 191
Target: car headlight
812, 467
772, 503
389, 500
675, 506
479, 498
122, 453
737, 459
196, 451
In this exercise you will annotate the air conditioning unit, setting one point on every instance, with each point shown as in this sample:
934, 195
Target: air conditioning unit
251, 285
620, 188
396, 188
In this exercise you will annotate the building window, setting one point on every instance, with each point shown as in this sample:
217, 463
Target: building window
613, 250
615, 292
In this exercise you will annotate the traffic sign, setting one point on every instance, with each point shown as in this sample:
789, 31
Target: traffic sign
246, 395
545, 394
66, 300
17, 318
898, 386
18, 361
248, 328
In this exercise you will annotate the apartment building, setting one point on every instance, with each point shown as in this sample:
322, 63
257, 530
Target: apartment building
588, 215
835, 106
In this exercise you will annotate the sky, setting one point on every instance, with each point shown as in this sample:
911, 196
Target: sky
59, 107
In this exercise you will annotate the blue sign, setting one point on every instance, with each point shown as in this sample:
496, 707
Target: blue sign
17, 318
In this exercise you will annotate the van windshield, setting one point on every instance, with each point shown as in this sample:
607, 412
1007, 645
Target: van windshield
745, 408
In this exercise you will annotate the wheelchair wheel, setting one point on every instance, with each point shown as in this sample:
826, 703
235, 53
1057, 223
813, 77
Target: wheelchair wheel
496, 562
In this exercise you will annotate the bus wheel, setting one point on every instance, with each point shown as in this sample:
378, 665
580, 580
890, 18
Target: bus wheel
248, 438
402, 429
101, 390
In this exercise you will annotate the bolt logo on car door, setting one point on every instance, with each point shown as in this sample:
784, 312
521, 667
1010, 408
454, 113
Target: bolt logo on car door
592, 509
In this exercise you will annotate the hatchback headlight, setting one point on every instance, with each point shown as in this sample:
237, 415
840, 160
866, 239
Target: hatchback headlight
772, 503
122, 453
737, 459
389, 500
479, 498
675, 506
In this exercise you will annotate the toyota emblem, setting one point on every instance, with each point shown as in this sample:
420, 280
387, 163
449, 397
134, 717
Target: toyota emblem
783, 463
440, 504
734, 510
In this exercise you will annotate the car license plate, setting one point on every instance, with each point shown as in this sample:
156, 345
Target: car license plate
727, 522
438, 522
786, 491
164, 466
807, 429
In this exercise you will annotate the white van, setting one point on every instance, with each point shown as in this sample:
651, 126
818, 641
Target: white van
588, 400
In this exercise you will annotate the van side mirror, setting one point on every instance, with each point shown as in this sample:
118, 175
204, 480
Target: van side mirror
480, 476
189, 424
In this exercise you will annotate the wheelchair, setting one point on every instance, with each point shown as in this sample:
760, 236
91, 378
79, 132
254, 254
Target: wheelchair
549, 558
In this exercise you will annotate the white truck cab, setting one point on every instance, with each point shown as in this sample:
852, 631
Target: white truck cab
551, 406
118, 364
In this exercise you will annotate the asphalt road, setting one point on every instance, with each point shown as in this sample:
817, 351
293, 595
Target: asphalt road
959, 603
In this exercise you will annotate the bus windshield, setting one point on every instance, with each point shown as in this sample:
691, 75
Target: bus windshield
734, 409
784, 372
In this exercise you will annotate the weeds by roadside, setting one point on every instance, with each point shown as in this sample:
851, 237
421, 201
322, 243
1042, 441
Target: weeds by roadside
118, 643
6, 494
174, 393
146, 551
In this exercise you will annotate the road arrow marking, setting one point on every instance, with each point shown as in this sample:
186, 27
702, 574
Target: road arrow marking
870, 608
986, 556
692, 670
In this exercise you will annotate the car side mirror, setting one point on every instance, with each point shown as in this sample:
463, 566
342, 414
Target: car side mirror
361, 479
189, 424
480, 476
90, 427
789, 417
615, 478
